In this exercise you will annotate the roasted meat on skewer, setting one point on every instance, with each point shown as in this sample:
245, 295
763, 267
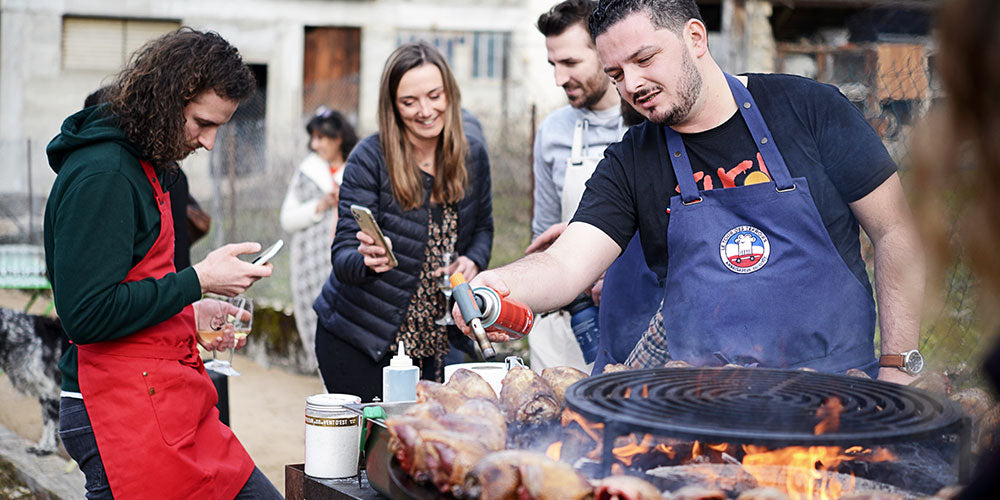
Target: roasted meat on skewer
625, 488
471, 385
527, 399
560, 378
520, 475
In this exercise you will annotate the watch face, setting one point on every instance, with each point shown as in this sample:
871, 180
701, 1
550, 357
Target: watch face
914, 363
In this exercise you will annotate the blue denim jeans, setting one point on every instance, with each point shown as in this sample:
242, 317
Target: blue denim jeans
78, 437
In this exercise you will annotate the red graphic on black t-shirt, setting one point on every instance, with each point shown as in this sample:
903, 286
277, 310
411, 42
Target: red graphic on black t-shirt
733, 177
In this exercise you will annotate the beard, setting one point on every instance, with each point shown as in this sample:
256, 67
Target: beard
688, 91
594, 89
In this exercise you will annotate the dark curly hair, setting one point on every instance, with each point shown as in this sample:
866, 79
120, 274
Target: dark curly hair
665, 14
333, 124
563, 15
149, 95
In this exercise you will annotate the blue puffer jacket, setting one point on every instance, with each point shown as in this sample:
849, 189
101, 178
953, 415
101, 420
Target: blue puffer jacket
363, 307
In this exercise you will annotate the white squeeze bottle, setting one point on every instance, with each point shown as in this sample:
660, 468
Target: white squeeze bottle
399, 379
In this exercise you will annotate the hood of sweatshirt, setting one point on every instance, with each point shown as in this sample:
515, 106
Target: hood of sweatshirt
84, 128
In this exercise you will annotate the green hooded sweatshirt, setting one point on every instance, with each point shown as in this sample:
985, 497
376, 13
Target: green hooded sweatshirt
101, 219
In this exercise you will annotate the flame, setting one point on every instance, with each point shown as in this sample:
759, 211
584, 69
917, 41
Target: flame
554, 450
807, 472
645, 390
627, 452
593, 430
628, 392
829, 415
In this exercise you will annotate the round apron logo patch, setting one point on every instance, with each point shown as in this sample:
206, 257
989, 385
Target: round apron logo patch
744, 249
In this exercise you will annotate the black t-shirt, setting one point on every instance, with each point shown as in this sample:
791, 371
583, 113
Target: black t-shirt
820, 134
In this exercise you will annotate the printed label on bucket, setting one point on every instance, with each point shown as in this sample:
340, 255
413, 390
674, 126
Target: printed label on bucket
332, 422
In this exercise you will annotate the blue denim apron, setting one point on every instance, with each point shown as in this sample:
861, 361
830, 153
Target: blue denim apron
629, 299
753, 277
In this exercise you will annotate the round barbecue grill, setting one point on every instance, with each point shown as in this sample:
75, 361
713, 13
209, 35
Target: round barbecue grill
760, 406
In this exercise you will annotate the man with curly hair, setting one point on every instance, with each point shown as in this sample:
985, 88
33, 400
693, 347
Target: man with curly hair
137, 411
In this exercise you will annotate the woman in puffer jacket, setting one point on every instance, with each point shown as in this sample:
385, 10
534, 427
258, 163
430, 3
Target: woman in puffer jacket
428, 186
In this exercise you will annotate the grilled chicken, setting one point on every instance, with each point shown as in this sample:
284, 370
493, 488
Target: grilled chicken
448, 397
481, 418
523, 475
449, 456
471, 385
527, 399
625, 488
560, 378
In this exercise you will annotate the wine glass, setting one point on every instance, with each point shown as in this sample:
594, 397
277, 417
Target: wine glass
241, 317
213, 328
444, 283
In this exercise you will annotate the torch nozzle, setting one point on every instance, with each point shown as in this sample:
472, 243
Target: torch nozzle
484, 342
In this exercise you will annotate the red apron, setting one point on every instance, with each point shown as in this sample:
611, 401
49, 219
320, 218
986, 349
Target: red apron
152, 405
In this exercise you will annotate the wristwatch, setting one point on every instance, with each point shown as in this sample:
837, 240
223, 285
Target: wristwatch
910, 362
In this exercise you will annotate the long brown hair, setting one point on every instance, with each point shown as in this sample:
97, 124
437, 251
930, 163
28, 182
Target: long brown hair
149, 95
957, 152
449, 158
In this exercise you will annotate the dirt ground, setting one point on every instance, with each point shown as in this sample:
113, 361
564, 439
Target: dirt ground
266, 408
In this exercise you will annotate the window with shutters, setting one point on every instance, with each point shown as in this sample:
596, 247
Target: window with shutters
471, 54
105, 44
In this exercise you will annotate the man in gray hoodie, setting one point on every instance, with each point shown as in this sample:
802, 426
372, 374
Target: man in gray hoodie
568, 145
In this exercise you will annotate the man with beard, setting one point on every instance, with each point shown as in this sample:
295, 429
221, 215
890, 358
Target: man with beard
137, 411
568, 145
747, 193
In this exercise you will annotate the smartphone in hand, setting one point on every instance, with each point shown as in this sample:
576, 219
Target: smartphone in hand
368, 226
266, 255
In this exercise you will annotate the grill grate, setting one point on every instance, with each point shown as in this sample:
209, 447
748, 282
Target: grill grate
760, 406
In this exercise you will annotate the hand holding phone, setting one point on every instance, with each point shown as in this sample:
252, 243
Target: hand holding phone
266, 255
366, 221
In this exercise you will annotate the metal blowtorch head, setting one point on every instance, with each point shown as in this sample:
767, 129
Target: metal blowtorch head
471, 314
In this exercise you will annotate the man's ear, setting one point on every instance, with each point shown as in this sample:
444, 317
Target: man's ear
696, 37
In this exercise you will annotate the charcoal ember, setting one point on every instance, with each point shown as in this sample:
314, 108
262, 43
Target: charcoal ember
526, 398
677, 363
471, 385
518, 474
537, 436
560, 378
710, 477
762, 494
617, 367
854, 372
931, 381
448, 397
625, 488
698, 493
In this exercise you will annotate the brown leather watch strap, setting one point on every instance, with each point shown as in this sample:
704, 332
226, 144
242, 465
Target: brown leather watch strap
893, 360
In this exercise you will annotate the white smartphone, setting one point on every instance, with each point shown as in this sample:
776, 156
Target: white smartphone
368, 226
266, 255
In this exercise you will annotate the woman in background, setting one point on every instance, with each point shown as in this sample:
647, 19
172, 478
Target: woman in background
428, 185
310, 213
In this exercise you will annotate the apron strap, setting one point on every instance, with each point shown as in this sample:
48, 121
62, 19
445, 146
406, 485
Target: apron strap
761, 134
758, 130
576, 152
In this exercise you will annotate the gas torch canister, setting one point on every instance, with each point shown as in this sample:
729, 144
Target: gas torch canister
471, 313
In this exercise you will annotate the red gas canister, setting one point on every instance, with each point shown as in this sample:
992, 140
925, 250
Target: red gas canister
501, 314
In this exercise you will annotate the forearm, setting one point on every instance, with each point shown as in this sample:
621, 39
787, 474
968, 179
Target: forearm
297, 215
551, 279
95, 312
899, 290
